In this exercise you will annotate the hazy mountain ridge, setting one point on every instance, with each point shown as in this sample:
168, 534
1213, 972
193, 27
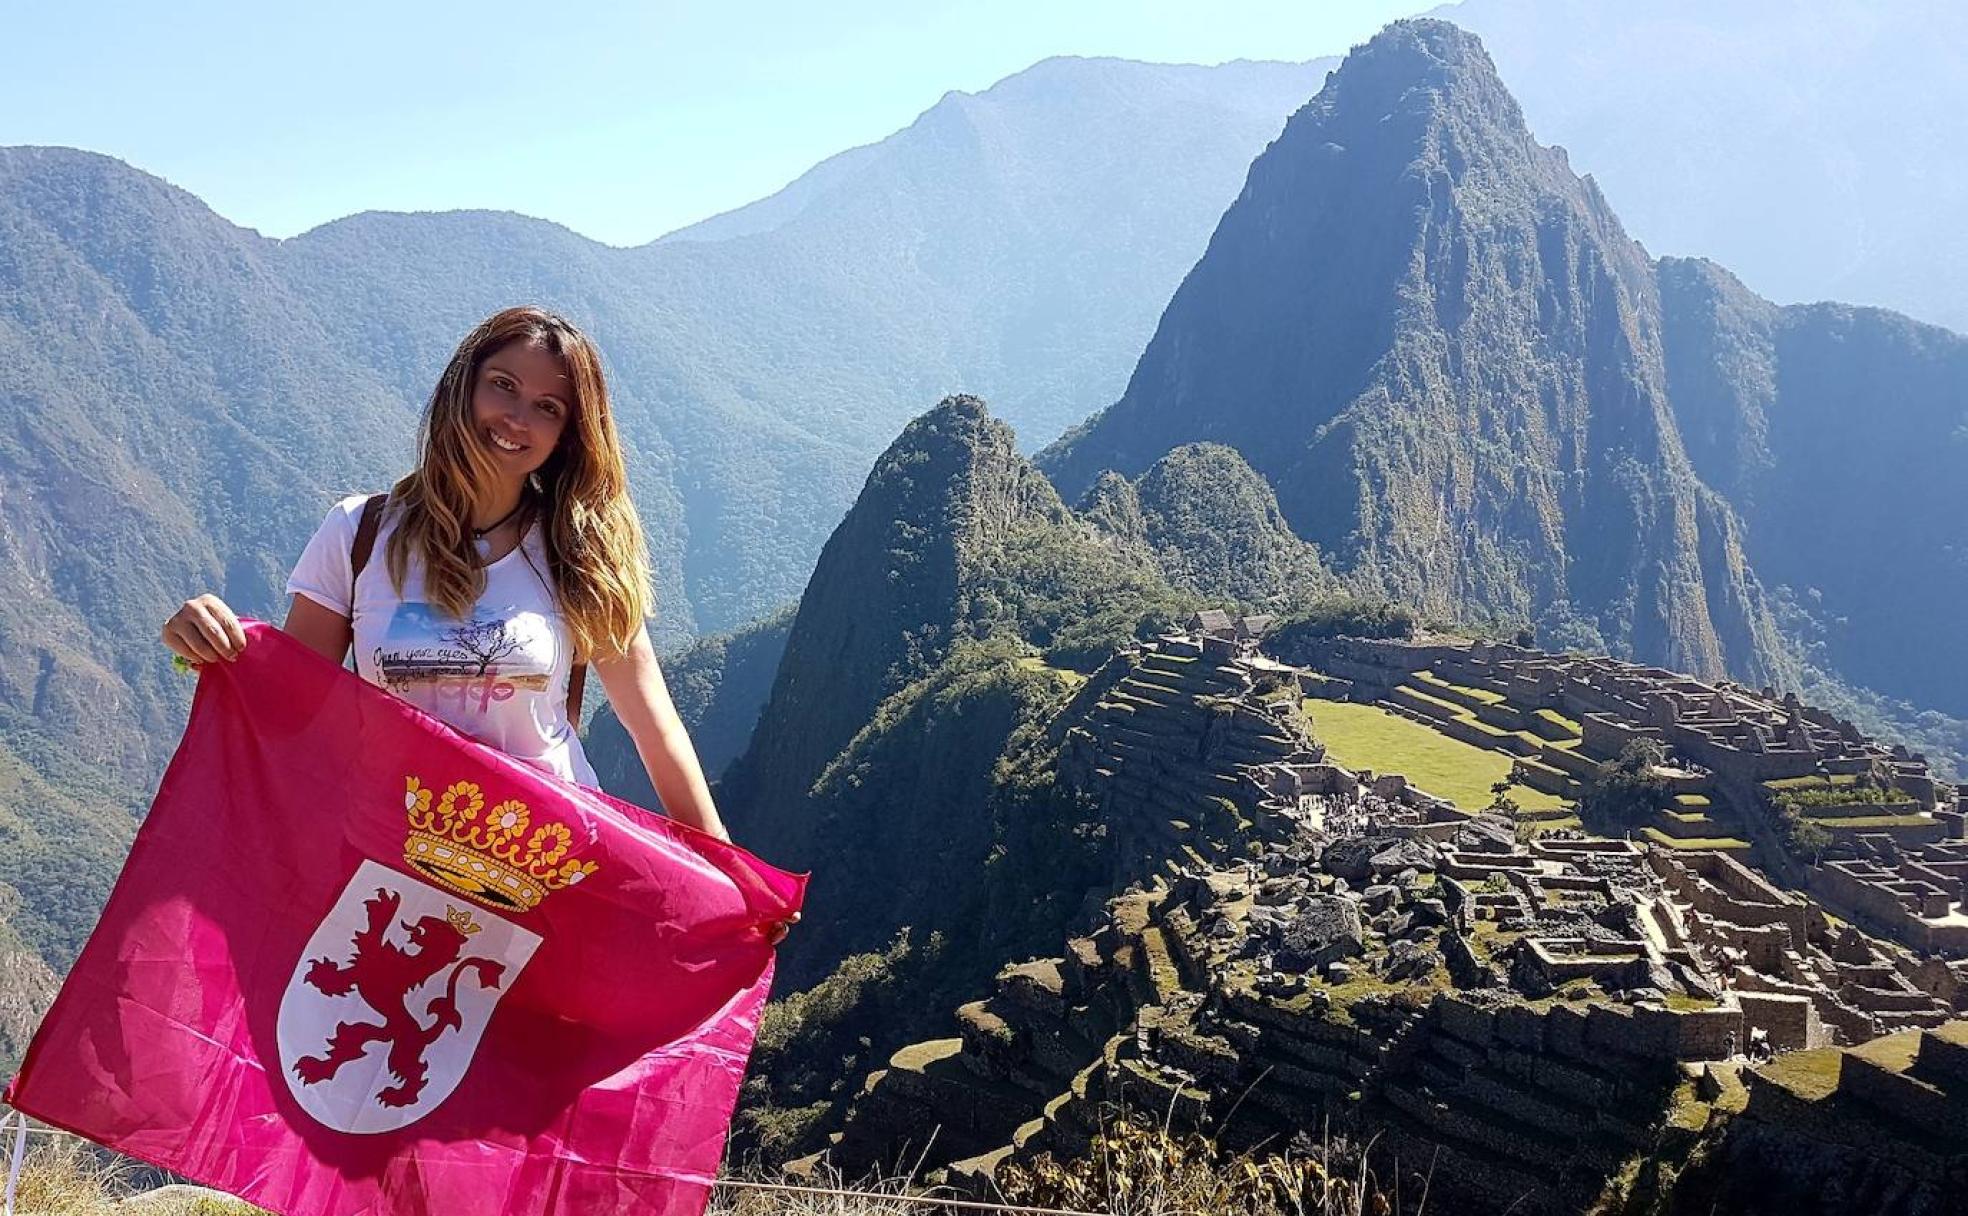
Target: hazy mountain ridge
1837, 434
1803, 146
186, 398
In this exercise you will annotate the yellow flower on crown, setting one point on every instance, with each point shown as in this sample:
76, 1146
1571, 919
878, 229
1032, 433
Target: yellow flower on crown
462, 801
507, 820
550, 842
482, 857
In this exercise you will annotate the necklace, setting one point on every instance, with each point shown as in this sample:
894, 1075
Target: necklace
483, 545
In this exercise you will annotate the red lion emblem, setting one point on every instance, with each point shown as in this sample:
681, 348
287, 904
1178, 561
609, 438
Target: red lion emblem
384, 975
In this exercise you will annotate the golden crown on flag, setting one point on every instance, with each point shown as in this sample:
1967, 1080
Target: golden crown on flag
489, 855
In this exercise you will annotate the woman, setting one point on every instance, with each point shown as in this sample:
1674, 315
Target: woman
511, 556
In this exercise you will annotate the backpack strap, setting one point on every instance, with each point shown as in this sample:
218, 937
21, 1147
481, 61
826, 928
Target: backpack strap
365, 537
577, 679
365, 544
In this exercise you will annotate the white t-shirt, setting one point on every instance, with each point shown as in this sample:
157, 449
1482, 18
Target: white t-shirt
500, 677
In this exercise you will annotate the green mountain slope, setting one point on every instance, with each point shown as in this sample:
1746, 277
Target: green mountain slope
1212, 526
719, 685
1840, 437
955, 538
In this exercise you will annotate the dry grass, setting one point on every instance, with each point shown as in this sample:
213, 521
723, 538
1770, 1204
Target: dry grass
67, 1177
63, 1176
867, 1199
1133, 1170
1137, 1169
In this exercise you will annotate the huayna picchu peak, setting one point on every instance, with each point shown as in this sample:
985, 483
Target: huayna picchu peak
1478, 396
956, 537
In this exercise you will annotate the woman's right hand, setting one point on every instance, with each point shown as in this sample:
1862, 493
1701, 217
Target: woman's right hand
205, 631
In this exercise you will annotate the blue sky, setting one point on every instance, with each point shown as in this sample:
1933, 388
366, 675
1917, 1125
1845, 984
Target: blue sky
622, 121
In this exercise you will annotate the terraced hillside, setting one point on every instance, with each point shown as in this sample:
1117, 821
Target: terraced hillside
1546, 1021
1477, 736
1167, 1008
1165, 740
1381, 738
1876, 1127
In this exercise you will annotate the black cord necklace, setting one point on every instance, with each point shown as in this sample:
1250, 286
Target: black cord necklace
483, 545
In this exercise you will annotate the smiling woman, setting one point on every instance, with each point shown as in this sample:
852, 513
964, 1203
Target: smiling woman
514, 558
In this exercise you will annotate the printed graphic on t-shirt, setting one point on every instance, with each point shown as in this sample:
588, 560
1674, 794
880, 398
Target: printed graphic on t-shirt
472, 664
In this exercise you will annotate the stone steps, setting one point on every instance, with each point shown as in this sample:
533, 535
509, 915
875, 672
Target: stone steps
1479, 1089
1530, 1150
1035, 1051
1426, 705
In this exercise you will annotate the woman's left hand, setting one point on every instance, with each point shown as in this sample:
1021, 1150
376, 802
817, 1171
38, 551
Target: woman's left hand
775, 931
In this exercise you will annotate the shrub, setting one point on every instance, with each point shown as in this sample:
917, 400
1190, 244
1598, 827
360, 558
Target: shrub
1625, 793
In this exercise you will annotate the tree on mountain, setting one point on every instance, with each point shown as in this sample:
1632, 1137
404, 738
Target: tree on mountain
1500, 799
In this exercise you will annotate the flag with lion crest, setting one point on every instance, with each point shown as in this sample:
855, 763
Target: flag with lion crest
356, 963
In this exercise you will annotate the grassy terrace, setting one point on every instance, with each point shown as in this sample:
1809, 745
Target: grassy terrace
1366, 736
1480, 694
1032, 662
1814, 1074
1569, 725
1656, 836
1811, 783
1859, 823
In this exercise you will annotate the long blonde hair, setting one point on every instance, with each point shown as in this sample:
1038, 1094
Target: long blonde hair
595, 551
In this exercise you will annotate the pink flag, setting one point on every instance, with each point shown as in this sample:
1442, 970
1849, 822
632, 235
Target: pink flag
357, 963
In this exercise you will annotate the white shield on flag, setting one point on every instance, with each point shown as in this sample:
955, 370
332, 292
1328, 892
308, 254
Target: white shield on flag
387, 1004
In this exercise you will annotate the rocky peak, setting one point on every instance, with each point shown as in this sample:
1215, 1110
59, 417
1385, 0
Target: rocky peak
886, 596
1438, 347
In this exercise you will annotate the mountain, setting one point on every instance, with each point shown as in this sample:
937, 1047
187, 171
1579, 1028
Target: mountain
718, 684
1436, 343
907, 756
152, 444
954, 539
1840, 437
186, 398
1803, 146
1209, 522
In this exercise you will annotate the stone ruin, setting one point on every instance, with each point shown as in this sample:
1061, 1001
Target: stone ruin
1306, 949
1897, 864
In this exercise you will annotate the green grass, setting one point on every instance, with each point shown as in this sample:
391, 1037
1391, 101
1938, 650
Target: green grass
1480, 694
1366, 736
1530, 828
1855, 823
1812, 782
1810, 1074
1895, 1052
1693, 842
1032, 662
1448, 708
1569, 725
